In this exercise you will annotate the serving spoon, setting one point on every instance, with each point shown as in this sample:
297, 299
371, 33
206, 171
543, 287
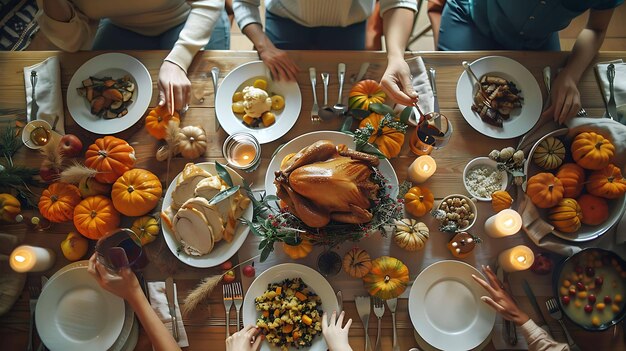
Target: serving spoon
340, 108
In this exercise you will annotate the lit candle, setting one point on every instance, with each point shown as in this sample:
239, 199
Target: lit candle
243, 154
422, 168
242, 151
504, 223
31, 259
517, 258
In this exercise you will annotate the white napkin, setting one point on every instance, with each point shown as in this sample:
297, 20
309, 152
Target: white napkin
421, 84
158, 300
498, 339
619, 82
47, 92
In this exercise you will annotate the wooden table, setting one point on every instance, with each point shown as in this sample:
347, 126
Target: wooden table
205, 326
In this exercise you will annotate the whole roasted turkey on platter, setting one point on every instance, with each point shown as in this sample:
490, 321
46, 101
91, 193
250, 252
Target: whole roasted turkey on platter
324, 182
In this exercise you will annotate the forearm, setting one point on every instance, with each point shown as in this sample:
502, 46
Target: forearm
397, 26
255, 33
435, 22
158, 334
538, 339
58, 10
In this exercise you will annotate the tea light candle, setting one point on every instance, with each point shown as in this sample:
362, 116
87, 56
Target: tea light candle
517, 258
422, 168
31, 259
242, 151
504, 223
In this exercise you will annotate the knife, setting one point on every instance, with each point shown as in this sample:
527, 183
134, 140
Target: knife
509, 327
611, 109
533, 301
362, 71
171, 303
44, 281
433, 85
340, 301
215, 74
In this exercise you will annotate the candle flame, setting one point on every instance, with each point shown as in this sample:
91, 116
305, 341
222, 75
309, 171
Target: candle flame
521, 259
246, 157
20, 258
509, 222
425, 167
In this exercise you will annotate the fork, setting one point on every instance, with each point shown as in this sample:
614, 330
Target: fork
555, 312
228, 304
238, 299
392, 304
363, 308
34, 291
34, 107
483, 96
315, 118
379, 311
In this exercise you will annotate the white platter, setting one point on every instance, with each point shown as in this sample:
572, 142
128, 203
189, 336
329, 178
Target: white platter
113, 65
522, 119
243, 76
305, 140
446, 309
312, 278
74, 313
222, 250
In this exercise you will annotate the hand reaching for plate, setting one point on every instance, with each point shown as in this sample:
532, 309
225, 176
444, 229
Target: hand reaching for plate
174, 87
565, 99
247, 339
500, 300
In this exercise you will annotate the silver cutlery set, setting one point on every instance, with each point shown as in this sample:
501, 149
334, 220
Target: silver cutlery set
233, 295
364, 305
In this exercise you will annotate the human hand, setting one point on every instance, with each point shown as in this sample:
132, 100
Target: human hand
397, 83
279, 63
247, 339
500, 300
174, 87
564, 98
336, 337
123, 284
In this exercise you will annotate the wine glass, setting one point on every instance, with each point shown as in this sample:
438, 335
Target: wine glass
433, 132
119, 249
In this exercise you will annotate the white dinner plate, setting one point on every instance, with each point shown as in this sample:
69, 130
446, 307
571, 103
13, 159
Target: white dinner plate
243, 76
75, 313
305, 140
522, 119
113, 65
278, 273
222, 250
446, 309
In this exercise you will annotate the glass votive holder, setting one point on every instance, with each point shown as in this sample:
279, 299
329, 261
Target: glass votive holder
242, 151
329, 263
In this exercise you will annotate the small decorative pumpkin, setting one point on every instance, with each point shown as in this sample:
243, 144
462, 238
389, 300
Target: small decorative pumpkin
387, 279
410, 234
136, 192
387, 139
594, 208
357, 262
10, 207
572, 176
566, 216
111, 157
462, 244
146, 228
418, 201
544, 189
193, 142
549, 154
364, 93
157, 120
607, 183
592, 151
501, 200
302, 250
58, 201
95, 216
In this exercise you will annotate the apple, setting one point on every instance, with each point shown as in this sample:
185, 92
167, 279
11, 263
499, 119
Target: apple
542, 264
91, 187
70, 145
48, 175
229, 277
74, 247
249, 271
226, 265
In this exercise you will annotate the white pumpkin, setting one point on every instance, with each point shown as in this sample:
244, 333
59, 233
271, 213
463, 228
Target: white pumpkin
410, 234
193, 142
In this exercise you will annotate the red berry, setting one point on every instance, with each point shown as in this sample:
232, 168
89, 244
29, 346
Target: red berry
572, 292
588, 308
608, 300
599, 281
226, 265
229, 277
565, 300
580, 286
249, 271
591, 298
590, 271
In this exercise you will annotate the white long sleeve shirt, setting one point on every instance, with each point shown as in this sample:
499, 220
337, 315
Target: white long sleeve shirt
315, 13
146, 17
539, 340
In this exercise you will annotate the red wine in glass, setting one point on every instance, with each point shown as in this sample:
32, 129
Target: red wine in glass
121, 249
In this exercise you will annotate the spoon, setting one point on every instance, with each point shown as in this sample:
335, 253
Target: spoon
339, 107
326, 112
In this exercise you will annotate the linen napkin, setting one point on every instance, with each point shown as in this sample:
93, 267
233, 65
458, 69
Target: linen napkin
498, 338
619, 82
158, 300
47, 92
421, 84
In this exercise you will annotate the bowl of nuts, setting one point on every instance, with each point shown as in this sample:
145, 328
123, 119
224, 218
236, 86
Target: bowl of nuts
456, 213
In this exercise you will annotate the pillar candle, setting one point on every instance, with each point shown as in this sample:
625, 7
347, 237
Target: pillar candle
422, 168
31, 259
504, 223
517, 258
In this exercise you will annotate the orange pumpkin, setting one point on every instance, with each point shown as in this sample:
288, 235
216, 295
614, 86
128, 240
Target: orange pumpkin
501, 200
566, 216
95, 216
418, 201
157, 121
111, 157
136, 192
592, 151
595, 209
364, 93
572, 176
387, 279
57, 202
9, 208
357, 262
301, 250
607, 183
388, 140
544, 189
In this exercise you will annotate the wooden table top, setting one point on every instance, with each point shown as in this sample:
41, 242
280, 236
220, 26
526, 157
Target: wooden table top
205, 326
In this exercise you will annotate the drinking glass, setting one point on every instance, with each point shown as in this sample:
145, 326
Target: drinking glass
119, 249
242, 151
433, 132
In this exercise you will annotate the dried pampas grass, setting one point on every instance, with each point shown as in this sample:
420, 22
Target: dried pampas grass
76, 173
52, 155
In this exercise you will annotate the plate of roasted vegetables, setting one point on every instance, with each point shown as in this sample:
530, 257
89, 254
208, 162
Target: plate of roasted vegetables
109, 93
505, 102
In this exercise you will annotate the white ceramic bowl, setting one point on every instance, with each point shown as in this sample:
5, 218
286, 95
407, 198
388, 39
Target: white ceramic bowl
484, 162
472, 205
